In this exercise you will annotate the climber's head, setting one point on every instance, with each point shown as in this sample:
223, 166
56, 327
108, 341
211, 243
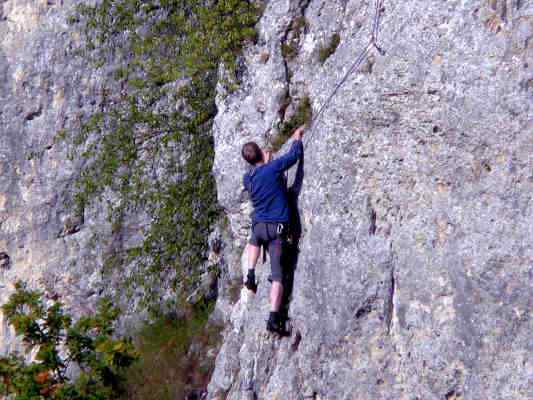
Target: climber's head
252, 153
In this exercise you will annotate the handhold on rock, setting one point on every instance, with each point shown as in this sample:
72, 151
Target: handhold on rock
71, 225
4, 260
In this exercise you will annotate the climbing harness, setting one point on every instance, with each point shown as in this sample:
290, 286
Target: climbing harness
280, 229
357, 63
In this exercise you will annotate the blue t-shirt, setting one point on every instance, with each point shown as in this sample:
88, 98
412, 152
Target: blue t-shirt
268, 189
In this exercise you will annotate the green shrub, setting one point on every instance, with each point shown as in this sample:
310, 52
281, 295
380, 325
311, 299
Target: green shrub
326, 51
175, 356
57, 342
139, 145
303, 115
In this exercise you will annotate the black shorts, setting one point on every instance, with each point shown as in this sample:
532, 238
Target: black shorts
270, 234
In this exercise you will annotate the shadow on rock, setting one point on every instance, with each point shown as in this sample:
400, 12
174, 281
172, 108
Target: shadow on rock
289, 260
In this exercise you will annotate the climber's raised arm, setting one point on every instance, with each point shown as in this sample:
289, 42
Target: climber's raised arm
295, 153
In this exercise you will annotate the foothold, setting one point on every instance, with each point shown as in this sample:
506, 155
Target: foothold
296, 342
32, 114
363, 310
5, 261
309, 393
453, 395
71, 225
216, 245
264, 57
372, 217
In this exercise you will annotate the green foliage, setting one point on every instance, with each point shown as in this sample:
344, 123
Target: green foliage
300, 24
57, 342
175, 356
150, 141
303, 115
289, 49
327, 50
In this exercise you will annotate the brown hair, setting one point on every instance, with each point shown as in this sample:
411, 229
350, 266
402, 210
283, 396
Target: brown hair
252, 153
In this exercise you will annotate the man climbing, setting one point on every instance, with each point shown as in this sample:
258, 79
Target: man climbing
268, 191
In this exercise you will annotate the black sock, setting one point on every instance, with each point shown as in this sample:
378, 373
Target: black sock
251, 274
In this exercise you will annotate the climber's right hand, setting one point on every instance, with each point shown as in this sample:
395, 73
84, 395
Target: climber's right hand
298, 133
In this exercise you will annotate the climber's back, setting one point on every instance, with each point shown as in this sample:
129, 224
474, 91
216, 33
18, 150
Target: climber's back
266, 183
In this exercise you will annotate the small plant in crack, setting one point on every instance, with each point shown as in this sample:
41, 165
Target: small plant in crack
302, 115
300, 24
289, 48
328, 49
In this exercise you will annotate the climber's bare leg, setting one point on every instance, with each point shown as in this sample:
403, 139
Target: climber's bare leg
253, 255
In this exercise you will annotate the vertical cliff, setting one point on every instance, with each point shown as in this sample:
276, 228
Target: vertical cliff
414, 272
414, 275
105, 160
44, 90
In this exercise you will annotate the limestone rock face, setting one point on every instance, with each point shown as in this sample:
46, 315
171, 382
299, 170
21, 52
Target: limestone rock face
414, 277
44, 90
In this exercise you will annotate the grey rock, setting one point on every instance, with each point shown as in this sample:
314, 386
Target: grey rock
415, 272
45, 89
415, 269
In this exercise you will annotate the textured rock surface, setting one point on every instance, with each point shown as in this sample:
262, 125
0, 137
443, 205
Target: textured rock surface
415, 273
44, 89
414, 279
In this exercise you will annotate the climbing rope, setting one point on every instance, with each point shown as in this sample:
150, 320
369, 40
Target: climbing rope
357, 63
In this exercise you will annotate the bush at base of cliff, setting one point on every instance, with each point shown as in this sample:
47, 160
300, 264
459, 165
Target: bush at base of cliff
57, 345
177, 356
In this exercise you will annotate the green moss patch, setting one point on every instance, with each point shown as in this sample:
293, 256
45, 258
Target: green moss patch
329, 48
303, 115
149, 141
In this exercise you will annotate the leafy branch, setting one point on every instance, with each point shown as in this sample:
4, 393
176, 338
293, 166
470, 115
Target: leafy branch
57, 342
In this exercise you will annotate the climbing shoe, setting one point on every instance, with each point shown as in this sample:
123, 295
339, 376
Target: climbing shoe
275, 325
250, 281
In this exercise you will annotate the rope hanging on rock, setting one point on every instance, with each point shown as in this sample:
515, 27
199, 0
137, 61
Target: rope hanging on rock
357, 63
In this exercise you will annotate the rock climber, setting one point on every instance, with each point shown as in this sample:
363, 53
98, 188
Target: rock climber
267, 188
